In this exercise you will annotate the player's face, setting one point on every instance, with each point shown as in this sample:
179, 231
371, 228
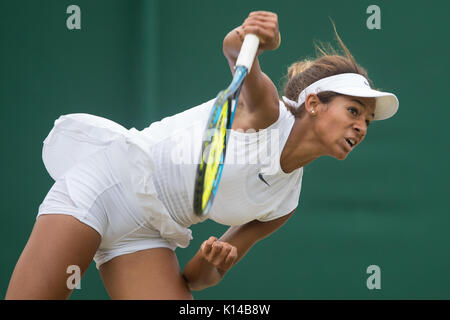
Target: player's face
344, 124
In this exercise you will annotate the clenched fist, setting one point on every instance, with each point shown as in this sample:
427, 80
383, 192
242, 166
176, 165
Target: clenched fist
220, 254
264, 24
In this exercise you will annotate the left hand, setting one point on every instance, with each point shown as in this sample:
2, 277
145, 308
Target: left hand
219, 253
264, 24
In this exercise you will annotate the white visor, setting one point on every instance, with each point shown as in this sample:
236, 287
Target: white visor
351, 84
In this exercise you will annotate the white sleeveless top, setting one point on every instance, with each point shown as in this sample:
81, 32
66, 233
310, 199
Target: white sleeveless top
163, 162
242, 195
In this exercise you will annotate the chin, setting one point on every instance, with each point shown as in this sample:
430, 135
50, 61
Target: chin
340, 155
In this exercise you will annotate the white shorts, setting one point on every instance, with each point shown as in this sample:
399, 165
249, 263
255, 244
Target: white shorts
93, 192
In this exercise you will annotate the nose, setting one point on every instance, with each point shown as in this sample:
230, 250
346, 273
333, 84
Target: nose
361, 128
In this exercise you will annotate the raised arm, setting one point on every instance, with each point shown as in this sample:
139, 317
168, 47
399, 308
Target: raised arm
258, 106
216, 256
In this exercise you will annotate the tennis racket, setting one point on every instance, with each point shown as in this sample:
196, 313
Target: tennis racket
215, 137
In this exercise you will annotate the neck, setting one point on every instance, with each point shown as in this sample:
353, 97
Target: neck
301, 147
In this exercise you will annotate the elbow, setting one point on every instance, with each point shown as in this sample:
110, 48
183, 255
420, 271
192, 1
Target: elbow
200, 286
231, 46
197, 287
201, 283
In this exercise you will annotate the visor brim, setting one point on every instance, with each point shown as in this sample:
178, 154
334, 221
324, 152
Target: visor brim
386, 103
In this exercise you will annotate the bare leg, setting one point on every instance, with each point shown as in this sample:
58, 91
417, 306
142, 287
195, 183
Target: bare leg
147, 274
56, 242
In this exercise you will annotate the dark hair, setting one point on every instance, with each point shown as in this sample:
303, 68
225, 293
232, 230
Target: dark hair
328, 63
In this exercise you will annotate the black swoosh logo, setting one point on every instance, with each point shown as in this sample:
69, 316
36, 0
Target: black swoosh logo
260, 176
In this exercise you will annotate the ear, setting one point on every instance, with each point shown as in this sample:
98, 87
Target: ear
311, 104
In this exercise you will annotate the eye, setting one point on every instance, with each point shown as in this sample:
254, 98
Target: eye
353, 110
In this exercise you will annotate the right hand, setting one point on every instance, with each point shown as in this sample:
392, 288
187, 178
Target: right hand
263, 24
219, 253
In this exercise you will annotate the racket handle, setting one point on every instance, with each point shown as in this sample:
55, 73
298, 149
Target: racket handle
248, 51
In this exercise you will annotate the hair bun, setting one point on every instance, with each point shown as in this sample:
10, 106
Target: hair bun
298, 68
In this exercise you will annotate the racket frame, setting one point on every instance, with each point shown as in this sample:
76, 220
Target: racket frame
231, 97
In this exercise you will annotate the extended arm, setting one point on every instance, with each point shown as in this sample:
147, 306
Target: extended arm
259, 97
215, 257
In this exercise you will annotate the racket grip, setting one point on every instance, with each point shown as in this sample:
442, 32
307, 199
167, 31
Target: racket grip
248, 51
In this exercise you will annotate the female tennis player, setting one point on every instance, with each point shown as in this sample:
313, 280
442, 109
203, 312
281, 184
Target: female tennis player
123, 199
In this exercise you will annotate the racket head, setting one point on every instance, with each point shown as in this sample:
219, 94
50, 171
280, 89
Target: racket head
213, 151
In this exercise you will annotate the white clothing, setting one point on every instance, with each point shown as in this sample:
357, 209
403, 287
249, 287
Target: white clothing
242, 196
152, 172
93, 192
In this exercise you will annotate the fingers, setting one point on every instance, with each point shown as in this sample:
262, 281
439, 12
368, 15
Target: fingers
220, 254
207, 246
230, 259
265, 25
271, 21
264, 36
262, 14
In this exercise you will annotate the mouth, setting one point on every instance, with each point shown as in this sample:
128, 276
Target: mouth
351, 142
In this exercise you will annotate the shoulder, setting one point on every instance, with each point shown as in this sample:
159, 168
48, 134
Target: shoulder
245, 119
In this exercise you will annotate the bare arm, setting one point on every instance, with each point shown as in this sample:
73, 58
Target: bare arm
215, 257
259, 96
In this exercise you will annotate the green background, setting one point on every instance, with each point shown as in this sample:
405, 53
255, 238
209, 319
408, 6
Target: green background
135, 62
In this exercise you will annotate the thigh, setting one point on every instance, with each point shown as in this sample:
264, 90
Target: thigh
56, 242
147, 274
